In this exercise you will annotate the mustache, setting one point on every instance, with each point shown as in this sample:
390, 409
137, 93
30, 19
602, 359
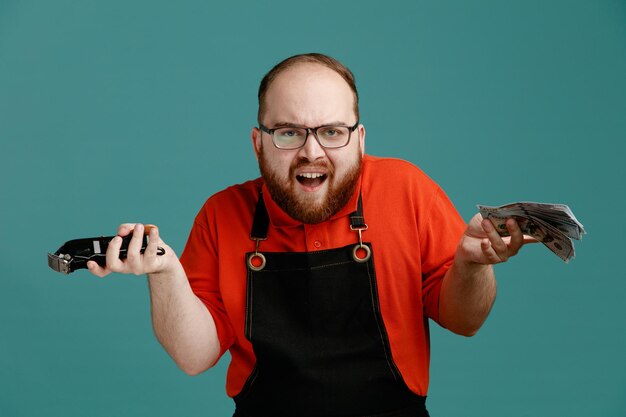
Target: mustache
304, 163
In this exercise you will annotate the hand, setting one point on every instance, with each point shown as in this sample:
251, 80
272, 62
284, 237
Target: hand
481, 243
135, 263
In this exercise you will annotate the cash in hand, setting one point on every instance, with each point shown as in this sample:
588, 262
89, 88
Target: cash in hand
554, 225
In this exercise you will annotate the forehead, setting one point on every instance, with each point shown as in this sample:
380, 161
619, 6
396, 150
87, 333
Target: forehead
309, 94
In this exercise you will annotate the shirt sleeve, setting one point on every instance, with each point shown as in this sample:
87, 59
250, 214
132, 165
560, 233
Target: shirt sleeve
439, 238
200, 261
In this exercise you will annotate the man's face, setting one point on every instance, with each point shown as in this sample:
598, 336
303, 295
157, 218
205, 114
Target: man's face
310, 183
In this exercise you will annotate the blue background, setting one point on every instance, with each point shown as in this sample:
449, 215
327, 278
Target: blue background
138, 111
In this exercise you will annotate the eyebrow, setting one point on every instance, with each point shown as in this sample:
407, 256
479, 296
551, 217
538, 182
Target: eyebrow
289, 124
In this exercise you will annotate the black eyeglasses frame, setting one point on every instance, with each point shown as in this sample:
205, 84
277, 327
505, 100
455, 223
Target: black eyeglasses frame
309, 130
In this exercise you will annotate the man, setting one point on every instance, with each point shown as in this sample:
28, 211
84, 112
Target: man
319, 277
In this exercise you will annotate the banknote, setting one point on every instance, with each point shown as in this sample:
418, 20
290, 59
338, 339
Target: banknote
554, 225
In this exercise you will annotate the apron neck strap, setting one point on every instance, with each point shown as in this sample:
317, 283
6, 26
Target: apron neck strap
261, 220
357, 221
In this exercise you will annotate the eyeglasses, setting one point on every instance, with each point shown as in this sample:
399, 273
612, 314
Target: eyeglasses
295, 137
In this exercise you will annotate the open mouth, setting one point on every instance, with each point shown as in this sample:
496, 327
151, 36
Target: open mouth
311, 179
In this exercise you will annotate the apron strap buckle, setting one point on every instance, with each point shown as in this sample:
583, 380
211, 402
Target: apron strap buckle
361, 253
256, 260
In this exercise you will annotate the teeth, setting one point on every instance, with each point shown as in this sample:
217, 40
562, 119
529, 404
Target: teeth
311, 175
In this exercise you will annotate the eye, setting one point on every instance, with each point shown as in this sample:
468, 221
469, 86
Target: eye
288, 132
333, 132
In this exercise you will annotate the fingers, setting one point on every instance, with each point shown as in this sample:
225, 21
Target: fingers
530, 239
517, 237
154, 262
125, 229
482, 244
148, 228
97, 270
113, 261
475, 229
135, 261
497, 250
489, 253
134, 258
132, 262
153, 240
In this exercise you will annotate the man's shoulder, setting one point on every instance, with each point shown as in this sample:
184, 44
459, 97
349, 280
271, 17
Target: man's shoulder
396, 189
384, 169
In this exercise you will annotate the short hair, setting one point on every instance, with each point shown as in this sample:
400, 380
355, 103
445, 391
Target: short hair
315, 58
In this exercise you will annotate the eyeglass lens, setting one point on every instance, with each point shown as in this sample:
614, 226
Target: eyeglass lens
328, 136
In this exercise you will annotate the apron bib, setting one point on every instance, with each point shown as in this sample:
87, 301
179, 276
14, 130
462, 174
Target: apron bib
321, 347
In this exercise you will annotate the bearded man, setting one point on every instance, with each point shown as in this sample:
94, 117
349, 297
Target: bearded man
320, 276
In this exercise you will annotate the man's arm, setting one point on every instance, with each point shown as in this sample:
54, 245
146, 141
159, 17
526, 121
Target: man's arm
181, 322
468, 290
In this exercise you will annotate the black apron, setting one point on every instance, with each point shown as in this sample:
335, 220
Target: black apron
314, 322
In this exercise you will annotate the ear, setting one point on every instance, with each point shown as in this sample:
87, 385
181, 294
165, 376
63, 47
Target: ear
255, 135
361, 130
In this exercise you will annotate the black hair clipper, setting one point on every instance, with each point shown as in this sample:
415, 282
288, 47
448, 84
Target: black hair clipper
74, 254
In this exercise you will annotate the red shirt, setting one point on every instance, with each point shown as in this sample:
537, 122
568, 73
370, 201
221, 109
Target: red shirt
414, 230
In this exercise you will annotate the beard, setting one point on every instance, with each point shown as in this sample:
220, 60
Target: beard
304, 209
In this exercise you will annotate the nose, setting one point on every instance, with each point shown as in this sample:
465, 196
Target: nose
312, 149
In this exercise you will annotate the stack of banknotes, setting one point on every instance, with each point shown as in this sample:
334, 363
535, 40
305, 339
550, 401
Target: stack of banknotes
554, 225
